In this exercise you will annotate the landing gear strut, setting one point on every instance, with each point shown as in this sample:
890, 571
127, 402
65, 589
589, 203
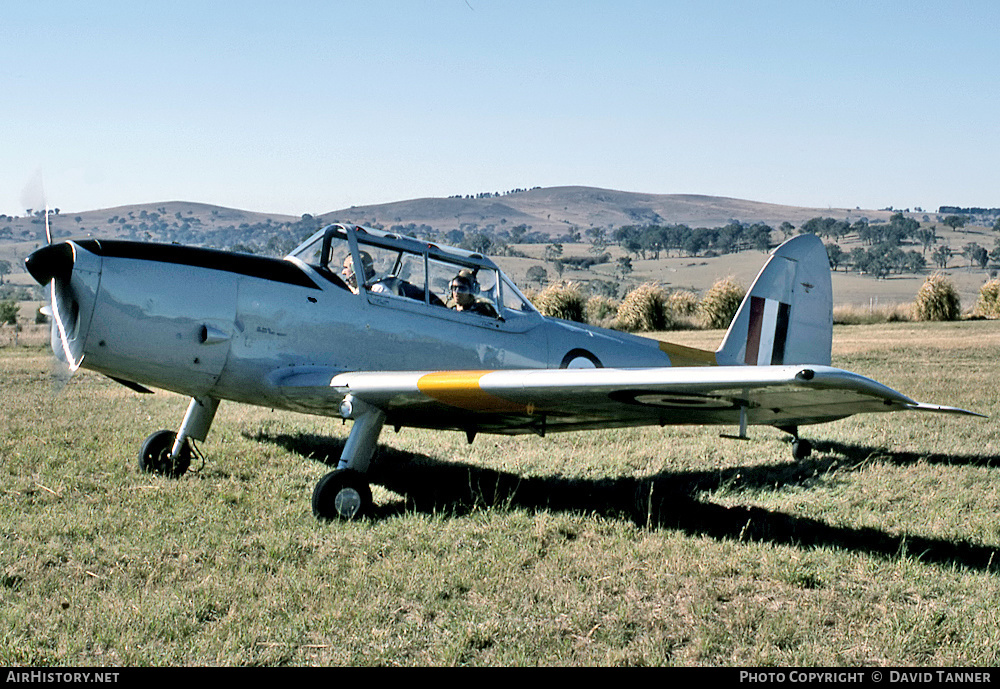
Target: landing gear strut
168, 453
344, 493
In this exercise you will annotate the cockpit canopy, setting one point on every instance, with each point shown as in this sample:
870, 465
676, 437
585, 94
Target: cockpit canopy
407, 268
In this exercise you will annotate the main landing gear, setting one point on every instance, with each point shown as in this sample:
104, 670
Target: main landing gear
344, 493
156, 457
169, 454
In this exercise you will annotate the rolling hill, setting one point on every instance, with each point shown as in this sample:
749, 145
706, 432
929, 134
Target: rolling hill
545, 213
554, 210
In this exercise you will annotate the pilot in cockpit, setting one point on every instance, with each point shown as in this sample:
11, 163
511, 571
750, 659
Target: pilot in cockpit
463, 290
367, 267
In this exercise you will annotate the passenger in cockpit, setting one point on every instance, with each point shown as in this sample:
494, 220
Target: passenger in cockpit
367, 268
463, 290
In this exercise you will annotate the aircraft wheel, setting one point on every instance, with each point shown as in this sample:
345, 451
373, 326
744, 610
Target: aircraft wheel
154, 457
342, 494
801, 449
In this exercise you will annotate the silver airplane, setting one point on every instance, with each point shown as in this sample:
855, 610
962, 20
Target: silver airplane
429, 336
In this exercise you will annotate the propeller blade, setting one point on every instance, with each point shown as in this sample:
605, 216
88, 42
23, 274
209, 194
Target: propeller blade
33, 196
59, 374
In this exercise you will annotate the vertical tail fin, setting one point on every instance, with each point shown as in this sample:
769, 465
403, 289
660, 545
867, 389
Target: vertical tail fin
787, 316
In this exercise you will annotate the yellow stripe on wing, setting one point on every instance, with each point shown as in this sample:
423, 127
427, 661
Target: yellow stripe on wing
461, 389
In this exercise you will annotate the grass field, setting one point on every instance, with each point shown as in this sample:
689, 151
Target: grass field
638, 547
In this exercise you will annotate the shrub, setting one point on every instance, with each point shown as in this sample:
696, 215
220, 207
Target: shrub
720, 303
683, 303
937, 300
601, 310
988, 304
561, 300
9, 311
644, 308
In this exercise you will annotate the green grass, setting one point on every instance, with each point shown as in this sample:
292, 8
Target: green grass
627, 547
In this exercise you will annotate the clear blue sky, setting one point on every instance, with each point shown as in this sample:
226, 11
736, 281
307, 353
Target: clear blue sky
305, 107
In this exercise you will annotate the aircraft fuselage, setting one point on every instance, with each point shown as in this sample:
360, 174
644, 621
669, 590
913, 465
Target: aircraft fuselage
208, 323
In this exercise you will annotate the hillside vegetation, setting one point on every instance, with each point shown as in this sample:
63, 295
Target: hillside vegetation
597, 238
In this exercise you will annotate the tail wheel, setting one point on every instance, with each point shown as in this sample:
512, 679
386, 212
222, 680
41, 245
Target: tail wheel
801, 448
342, 495
154, 457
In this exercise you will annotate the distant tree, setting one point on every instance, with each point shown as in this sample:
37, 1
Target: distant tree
598, 239
538, 274
835, 254
857, 258
517, 233
760, 237
9, 311
4, 269
695, 243
787, 229
912, 262
976, 255
860, 228
926, 237
941, 256
954, 221
478, 242
624, 266
995, 254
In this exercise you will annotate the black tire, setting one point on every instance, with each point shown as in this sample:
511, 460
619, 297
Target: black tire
154, 457
342, 495
801, 449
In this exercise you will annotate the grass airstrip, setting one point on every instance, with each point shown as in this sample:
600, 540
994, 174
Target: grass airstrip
634, 547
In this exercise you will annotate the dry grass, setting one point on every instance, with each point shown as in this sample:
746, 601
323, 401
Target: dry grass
632, 547
988, 304
719, 305
644, 308
853, 314
562, 300
937, 300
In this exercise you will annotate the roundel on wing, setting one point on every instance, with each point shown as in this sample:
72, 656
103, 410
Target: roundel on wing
674, 400
580, 358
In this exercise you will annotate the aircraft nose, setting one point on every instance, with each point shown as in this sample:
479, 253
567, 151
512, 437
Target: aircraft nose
72, 272
54, 261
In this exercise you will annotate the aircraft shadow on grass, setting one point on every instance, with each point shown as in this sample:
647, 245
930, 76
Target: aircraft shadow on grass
669, 500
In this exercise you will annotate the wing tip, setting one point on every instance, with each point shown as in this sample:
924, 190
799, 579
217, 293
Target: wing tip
942, 409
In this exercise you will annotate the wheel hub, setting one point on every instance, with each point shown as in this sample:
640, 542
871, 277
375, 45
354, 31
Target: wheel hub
347, 503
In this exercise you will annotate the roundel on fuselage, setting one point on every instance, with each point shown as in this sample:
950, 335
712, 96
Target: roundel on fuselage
580, 358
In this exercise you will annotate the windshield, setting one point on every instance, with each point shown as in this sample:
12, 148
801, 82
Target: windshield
404, 267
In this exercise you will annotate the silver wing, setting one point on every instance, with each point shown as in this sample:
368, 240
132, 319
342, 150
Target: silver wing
539, 401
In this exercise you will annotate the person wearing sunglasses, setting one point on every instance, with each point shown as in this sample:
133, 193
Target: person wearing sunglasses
463, 290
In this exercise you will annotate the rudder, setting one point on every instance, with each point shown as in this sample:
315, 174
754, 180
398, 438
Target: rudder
787, 316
